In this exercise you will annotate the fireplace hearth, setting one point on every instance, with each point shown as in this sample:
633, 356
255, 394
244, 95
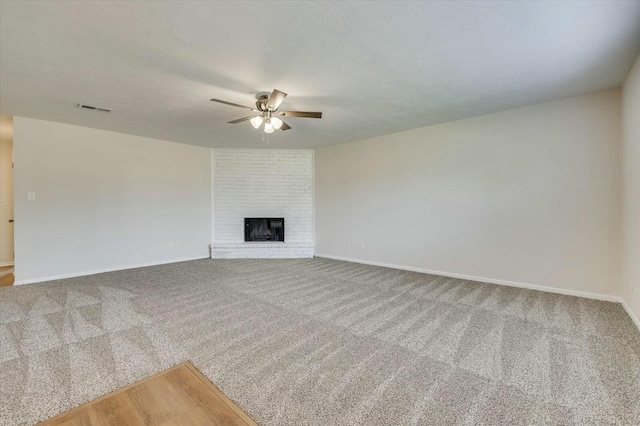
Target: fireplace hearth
264, 229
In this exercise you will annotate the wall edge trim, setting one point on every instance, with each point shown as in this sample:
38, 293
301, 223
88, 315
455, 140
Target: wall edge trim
101, 271
547, 289
632, 315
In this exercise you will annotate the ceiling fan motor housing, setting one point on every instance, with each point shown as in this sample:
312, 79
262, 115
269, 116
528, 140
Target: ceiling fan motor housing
261, 103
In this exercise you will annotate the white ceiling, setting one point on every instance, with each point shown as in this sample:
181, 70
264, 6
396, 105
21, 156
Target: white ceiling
372, 68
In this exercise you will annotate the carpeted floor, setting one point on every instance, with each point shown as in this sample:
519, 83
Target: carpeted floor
323, 342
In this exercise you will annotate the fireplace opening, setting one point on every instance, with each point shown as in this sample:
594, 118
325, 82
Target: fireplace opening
263, 229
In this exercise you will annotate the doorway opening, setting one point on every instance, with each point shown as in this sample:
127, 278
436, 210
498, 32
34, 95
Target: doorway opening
7, 257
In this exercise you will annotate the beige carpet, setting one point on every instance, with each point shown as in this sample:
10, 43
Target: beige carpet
322, 342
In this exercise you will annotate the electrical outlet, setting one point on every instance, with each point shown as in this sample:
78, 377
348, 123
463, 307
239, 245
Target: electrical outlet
362, 245
170, 245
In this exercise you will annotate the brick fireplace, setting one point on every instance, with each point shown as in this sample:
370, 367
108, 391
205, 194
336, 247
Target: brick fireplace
262, 184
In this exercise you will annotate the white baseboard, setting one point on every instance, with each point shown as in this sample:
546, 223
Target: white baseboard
597, 296
6, 264
100, 271
633, 316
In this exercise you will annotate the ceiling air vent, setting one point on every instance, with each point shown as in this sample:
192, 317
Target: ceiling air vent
93, 108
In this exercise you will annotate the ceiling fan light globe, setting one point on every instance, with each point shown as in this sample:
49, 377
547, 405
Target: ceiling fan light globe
276, 122
256, 122
268, 127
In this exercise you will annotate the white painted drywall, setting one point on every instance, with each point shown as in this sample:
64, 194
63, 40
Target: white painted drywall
105, 200
529, 195
631, 190
6, 191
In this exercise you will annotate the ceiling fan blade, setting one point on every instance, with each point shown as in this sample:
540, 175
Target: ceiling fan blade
303, 114
232, 104
285, 126
240, 120
275, 99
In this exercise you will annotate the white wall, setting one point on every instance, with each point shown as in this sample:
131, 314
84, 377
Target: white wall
631, 191
529, 195
263, 183
6, 191
105, 200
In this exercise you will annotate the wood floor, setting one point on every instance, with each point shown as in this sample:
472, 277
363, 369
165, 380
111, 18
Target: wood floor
6, 279
180, 396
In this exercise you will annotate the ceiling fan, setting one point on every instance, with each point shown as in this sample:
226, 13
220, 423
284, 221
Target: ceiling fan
266, 112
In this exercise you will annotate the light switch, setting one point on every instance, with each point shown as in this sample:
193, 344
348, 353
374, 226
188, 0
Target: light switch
31, 196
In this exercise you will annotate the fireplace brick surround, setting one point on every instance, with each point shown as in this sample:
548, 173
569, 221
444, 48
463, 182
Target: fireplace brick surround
261, 250
262, 183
